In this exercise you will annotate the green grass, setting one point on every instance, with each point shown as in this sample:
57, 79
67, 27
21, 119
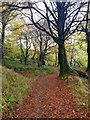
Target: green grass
15, 87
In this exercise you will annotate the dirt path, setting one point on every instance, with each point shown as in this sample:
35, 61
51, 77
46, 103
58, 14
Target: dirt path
50, 98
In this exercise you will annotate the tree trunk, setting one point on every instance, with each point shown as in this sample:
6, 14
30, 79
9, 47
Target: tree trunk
88, 51
0, 49
88, 43
22, 53
26, 57
3, 37
62, 60
25, 61
88, 68
41, 60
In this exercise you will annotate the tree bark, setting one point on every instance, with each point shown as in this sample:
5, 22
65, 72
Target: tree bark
88, 68
88, 42
62, 59
26, 57
41, 59
22, 53
88, 51
3, 37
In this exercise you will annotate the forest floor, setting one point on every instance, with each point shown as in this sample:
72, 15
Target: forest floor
50, 97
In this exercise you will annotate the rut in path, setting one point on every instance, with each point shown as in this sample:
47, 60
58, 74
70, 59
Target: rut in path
50, 97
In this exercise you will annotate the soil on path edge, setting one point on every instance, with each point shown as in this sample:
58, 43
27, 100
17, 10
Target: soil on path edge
50, 97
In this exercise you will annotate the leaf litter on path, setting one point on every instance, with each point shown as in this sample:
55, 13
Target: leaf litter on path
50, 97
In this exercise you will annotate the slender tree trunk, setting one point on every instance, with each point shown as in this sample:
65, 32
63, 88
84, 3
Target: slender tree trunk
88, 68
22, 53
3, 37
0, 50
62, 59
26, 57
88, 44
88, 51
25, 61
41, 60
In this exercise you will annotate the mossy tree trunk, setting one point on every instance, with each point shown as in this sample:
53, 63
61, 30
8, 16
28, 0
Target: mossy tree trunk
62, 60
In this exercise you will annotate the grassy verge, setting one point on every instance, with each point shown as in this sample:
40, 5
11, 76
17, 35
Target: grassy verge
17, 83
14, 88
79, 88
